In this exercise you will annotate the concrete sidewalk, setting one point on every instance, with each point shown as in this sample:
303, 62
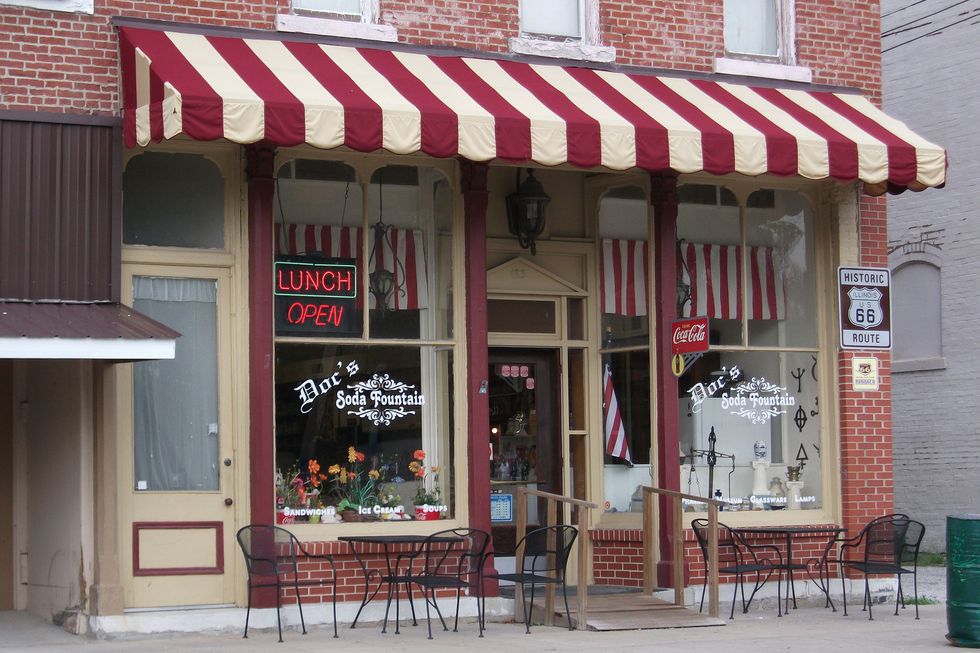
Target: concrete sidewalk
807, 629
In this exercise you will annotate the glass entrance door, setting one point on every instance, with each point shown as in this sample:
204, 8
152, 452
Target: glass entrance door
525, 438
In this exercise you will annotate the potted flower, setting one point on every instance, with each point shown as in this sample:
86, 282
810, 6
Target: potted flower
428, 495
298, 494
354, 487
390, 506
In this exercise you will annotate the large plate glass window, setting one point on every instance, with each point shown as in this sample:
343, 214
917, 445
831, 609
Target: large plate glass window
363, 406
755, 396
624, 263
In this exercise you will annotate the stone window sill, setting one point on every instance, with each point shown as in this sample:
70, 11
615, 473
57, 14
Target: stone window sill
575, 50
72, 6
333, 27
751, 68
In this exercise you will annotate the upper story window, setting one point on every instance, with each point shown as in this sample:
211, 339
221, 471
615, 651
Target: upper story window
351, 18
553, 18
753, 27
566, 29
760, 40
917, 313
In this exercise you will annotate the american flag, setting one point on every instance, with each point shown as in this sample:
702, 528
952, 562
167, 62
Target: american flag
616, 444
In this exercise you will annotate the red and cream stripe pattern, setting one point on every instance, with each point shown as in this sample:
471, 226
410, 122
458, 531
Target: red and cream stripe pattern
623, 269
402, 252
716, 289
246, 90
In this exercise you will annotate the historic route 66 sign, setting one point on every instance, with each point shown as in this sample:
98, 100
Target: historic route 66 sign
865, 308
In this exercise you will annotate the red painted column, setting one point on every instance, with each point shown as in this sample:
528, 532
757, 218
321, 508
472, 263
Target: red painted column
474, 188
663, 197
261, 194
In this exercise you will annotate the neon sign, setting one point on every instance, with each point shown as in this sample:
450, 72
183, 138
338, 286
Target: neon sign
315, 296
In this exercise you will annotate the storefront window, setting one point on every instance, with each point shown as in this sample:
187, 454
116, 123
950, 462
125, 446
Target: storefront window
755, 414
363, 431
624, 263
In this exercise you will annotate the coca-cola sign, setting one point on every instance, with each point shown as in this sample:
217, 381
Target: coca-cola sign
689, 336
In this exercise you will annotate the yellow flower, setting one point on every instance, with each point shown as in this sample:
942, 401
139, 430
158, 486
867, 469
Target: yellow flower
434, 469
343, 476
414, 467
375, 474
333, 469
351, 455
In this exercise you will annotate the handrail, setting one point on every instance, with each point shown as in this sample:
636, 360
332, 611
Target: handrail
583, 550
650, 534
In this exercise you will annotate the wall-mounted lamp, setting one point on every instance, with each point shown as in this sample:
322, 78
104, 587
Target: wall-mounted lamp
525, 210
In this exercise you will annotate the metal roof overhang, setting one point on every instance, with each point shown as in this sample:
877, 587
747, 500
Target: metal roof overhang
81, 330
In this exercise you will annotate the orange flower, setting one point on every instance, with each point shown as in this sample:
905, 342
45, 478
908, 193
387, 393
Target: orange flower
418, 455
420, 473
313, 466
352, 475
359, 456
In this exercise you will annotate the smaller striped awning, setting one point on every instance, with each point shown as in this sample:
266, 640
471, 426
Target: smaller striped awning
712, 273
208, 85
399, 251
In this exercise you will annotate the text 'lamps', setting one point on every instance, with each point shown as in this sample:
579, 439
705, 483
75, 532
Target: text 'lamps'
525, 210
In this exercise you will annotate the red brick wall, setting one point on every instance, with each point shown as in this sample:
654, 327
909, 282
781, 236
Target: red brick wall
53, 61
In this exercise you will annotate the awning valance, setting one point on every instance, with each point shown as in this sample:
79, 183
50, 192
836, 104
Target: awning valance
247, 89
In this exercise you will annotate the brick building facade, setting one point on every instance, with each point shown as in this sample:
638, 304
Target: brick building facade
818, 208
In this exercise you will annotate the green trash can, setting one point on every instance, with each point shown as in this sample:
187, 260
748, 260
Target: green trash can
963, 580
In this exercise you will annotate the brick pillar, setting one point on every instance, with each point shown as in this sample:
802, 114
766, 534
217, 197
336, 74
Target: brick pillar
867, 480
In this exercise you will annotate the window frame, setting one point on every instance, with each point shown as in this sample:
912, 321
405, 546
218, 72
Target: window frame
364, 25
783, 65
896, 262
585, 48
456, 484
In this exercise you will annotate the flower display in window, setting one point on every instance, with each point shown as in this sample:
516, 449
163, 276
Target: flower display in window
428, 492
353, 486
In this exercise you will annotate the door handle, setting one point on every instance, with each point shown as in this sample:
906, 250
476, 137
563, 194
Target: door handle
229, 501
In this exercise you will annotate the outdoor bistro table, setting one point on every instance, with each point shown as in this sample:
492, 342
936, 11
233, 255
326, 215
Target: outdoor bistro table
396, 551
787, 532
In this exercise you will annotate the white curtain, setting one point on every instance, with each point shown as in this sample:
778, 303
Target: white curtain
352, 7
552, 17
752, 27
175, 402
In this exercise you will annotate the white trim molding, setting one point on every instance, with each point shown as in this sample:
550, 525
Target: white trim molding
754, 68
122, 349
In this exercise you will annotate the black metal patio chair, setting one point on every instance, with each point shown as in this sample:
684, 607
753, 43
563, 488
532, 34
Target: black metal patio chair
272, 560
453, 559
546, 552
886, 545
740, 558
830, 557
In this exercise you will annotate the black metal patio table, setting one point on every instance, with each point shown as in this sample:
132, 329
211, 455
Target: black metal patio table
398, 567
787, 532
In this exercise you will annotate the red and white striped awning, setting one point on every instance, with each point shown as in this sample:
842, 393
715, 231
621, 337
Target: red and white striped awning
623, 266
209, 86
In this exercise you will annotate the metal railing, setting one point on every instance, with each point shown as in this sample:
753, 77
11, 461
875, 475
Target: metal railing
582, 586
651, 532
